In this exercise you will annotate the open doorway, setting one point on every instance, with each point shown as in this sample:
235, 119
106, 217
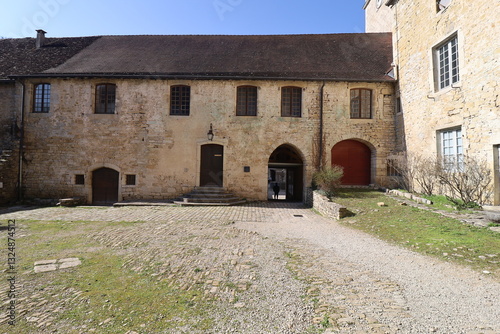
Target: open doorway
285, 175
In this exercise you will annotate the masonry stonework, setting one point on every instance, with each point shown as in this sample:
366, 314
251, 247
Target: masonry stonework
163, 151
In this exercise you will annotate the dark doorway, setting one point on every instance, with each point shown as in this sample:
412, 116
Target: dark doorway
285, 169
212, 163
105, 186
355, 157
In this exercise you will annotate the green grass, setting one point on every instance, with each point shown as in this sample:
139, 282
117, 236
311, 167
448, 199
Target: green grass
113, 299
421, 230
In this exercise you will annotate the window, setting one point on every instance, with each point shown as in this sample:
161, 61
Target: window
393, 168
130, 180
41, 101
179, 100
291, 102
80, 179
451, 149
246, 101
442, 4
361, 103
446, 56
105, 97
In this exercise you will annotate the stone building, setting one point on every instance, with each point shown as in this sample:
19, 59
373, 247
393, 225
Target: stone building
151, 117
447, 61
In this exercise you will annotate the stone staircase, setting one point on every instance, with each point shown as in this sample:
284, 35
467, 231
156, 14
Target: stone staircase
209, 196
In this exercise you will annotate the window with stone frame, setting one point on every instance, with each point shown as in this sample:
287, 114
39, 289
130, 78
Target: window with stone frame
291, 102
361, 103
41, 98
105, 99
246, 101
447, 63
442, 4
451, 149
180, 99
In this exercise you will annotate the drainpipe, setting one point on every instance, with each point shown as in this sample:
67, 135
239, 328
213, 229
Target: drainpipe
20, 194
320, 159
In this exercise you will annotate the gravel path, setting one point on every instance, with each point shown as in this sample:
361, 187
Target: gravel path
437, 297
280, 268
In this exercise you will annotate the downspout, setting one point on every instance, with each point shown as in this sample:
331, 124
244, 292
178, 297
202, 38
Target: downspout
20, 194
321, 102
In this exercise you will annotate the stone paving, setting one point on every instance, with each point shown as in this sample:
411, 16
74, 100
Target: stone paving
212, 249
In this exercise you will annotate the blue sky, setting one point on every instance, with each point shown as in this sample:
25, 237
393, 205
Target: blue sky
70, 18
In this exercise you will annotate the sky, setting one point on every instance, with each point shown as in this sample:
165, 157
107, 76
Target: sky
73, 18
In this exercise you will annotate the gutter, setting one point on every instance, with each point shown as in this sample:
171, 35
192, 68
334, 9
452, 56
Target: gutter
195, 77
321, 107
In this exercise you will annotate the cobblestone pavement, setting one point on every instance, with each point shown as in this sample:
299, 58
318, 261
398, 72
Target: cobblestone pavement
279, 268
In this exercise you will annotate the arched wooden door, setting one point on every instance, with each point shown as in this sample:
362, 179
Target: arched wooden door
105, 183
212, 164
355, 157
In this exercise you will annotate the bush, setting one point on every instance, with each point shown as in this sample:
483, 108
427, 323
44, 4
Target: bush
328, 179
467, 183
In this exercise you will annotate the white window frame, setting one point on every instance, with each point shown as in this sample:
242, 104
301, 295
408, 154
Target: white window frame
447, 63
451, 149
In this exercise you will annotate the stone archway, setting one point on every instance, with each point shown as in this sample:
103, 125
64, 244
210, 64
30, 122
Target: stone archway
355, 158
286, 168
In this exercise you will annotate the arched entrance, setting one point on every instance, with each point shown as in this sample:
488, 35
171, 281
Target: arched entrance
355, 157
285, 169
105, 183
211, 166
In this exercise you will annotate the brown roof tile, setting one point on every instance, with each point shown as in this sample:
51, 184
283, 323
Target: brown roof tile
21, 57
354, 57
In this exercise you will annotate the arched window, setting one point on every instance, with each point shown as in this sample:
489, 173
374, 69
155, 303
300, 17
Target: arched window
41, 99
361, 103
105, 96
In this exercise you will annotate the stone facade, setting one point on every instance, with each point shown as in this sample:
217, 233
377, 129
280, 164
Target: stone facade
471, 104
163, 151
9, 141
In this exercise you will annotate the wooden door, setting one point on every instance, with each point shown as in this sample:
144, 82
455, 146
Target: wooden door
212, 163
105, 186
355, 157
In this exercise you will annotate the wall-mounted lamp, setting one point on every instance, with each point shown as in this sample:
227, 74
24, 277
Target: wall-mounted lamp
210, 133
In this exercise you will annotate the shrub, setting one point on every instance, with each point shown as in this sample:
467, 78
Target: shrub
468, 182
328, 179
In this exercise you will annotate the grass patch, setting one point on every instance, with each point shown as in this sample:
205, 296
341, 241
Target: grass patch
423, 231
99, 294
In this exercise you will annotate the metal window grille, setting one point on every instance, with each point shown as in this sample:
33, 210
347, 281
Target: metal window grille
42, 98
180, 100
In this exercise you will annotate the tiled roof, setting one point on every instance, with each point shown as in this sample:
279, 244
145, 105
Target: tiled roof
20, 56
353, 57
328, 56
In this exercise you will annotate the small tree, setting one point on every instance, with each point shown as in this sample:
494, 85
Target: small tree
467, 182
328, 179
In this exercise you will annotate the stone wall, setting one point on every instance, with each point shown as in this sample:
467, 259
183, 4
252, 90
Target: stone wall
378, 18
163, 151
474, 102
328, 208
9, 141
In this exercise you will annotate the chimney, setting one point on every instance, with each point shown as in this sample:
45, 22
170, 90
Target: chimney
40, 38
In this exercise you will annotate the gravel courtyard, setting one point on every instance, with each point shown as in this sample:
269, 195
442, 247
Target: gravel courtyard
276, 268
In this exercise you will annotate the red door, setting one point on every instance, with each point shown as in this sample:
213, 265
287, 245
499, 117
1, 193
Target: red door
355, 157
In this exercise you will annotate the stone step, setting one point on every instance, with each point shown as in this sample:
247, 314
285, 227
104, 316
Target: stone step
209, 196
